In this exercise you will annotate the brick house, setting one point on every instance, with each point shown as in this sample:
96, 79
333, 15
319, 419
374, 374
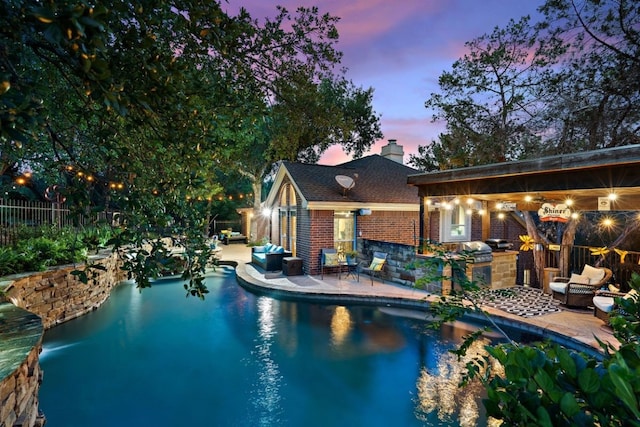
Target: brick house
312, 206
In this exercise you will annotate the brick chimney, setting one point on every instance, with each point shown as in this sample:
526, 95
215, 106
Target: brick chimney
393, 151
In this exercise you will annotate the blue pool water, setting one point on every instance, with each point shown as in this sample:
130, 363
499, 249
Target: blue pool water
156, 358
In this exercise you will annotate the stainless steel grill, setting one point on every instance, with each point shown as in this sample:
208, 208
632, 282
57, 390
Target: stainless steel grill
479, 258
498, 245
477, 252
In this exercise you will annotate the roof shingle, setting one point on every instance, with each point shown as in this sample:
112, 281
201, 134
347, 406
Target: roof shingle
377, 180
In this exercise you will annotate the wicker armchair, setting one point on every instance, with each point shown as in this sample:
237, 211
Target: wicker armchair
579, 290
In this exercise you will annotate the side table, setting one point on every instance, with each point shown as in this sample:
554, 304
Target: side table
351, 270
292, 266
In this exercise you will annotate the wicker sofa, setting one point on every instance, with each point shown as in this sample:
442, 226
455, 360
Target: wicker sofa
269, 257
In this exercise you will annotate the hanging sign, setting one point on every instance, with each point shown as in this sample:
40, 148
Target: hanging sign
604, 204
551, 212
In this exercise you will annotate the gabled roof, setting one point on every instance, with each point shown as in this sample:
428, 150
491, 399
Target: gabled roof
380, 183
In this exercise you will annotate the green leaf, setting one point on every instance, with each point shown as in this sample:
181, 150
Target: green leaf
544, 381
569, 405
567, 363
589, 381
624, 390
544, 420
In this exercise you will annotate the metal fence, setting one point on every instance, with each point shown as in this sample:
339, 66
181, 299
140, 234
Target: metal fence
19, 213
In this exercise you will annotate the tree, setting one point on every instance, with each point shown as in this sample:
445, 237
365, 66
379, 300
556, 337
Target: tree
304, 120
491, 98
142, 103
566, 84
595, 104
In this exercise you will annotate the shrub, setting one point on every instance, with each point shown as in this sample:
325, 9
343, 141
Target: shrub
9, 261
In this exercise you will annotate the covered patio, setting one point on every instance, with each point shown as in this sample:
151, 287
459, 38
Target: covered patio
594, 181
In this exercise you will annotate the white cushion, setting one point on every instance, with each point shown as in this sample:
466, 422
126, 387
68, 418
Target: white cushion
594, 274
603, 303
579, 278
558, 287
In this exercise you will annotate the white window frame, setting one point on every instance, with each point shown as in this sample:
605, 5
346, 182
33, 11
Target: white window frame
447, 227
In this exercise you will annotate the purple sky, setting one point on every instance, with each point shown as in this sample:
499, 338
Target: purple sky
400, 48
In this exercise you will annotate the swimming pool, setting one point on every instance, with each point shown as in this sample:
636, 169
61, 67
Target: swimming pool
156, 358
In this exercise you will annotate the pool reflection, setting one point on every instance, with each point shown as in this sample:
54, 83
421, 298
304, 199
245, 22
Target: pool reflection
241, 359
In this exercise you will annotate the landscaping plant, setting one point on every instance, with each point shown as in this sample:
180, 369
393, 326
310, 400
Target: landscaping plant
547, 384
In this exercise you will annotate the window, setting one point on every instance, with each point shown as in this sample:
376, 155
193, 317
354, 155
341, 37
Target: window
456, 224
343, 231
288, 222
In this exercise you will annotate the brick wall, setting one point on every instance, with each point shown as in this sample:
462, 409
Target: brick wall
320, 236
394, 227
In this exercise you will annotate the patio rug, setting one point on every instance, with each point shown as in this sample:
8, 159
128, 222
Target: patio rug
520, 300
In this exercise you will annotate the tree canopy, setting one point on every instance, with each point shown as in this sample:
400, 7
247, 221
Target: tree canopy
141, 105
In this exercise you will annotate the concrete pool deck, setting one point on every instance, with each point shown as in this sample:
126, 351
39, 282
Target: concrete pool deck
566, 326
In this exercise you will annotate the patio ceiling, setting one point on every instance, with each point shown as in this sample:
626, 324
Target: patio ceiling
582, 177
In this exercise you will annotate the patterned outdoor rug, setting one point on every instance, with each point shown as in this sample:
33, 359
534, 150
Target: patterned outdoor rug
520, 300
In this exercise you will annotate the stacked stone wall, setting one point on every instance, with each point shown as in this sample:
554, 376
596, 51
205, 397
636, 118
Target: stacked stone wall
19, 393
57, 296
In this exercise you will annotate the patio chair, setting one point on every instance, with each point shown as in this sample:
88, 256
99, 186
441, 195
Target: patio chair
375, 268
329, 261
579, 289
604, 302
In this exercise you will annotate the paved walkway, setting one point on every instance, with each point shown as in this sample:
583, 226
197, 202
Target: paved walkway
566, 327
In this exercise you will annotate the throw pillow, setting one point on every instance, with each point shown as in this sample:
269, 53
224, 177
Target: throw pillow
268, 247
278, 250
331, 260
377, 264
259, 249
579, 279
631, 294
594, 274
614, 288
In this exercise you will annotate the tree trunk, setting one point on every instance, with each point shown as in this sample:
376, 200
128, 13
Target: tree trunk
538, 256
566, 245
259, 222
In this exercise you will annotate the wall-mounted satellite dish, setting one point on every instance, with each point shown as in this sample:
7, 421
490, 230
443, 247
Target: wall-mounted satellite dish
346, 182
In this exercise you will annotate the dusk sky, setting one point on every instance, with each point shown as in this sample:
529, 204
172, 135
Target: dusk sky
400, 49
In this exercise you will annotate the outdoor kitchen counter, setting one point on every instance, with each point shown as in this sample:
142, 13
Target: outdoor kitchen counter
504, 269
